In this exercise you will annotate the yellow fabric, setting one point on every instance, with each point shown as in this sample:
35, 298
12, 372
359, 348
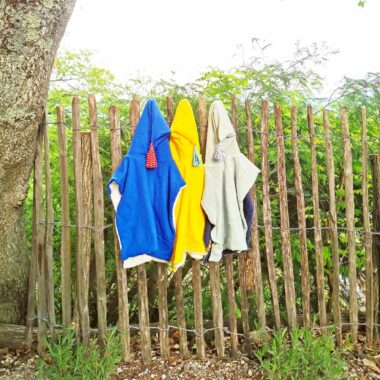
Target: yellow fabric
189, 215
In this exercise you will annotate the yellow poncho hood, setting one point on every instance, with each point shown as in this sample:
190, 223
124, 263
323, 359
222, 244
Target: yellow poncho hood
189, 216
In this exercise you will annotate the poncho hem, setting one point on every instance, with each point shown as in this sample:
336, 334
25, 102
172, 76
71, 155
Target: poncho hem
133, 261
141, 259
194, 255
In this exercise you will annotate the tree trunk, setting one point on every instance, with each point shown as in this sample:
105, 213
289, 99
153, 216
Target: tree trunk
30, 32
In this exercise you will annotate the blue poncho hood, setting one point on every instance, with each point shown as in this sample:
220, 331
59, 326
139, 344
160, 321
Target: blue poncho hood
144, 198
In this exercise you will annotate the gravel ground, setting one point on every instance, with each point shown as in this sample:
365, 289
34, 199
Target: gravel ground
191, 369
17, 365
362, 363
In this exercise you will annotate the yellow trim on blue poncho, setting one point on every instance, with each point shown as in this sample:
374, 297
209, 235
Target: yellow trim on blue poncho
189, 215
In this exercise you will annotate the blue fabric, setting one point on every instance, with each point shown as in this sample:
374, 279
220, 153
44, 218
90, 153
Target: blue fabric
144, 216
248, 210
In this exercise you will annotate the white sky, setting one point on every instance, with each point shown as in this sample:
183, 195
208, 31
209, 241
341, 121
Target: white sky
157, 37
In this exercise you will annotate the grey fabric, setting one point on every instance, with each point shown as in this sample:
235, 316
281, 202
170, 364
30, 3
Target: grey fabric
227, 182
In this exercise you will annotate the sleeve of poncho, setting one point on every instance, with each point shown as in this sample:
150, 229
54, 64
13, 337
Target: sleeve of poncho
245, 176
135, 218
116, 185
120, 175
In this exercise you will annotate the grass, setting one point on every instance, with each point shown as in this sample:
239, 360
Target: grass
301, 354
69, 359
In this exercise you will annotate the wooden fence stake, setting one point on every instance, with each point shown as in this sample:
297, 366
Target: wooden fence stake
79, 221
198, 311
244, 306
305, 275
231, 303
87, 233
367, 231
216, 305
253, 272
318, 245
290, 293
334, 229
267, 213
228, 263
196, 265
41, 262
180, 304
202, 116
242, 258
216, 296
375, 172
180, 311
169, 110
146, 347
162, 280
98, 222
122, 285
65, 219
376, 256
30, 313
49, 229
134, 115
350, 223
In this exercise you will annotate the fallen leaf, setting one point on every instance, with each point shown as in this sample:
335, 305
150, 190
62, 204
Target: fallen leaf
371, 365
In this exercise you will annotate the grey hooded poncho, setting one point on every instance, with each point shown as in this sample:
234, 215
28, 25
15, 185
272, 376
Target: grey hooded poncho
229, 176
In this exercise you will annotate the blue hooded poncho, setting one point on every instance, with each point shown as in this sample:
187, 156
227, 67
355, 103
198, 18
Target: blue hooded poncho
144, 198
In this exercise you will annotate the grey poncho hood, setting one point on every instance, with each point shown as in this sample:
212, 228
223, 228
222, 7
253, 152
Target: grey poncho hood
229, 176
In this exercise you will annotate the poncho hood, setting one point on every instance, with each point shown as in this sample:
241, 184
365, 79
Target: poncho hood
144, 198
184, 128
189, 216
152, 128
220, 132
229, 177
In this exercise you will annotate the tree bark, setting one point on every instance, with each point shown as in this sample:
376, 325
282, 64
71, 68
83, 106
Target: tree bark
30, 32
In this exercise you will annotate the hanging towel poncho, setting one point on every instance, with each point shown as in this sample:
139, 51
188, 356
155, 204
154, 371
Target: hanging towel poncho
190, 218
229, 177
144, 189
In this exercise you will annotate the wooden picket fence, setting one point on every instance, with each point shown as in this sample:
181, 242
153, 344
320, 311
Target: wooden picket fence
89, 226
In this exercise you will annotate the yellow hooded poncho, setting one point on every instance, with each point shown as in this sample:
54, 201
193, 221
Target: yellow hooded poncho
189, 216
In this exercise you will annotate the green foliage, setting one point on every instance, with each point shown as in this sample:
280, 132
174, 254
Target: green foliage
67, 359
293, 81
74, 74
301, 354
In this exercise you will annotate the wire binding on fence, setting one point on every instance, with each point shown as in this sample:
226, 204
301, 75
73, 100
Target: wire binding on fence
76, 226
291, 229
211, 329
324, 228
300, 136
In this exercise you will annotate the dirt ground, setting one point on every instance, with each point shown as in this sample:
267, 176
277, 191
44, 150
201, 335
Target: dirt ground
191, 369
20, 364
362, 363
